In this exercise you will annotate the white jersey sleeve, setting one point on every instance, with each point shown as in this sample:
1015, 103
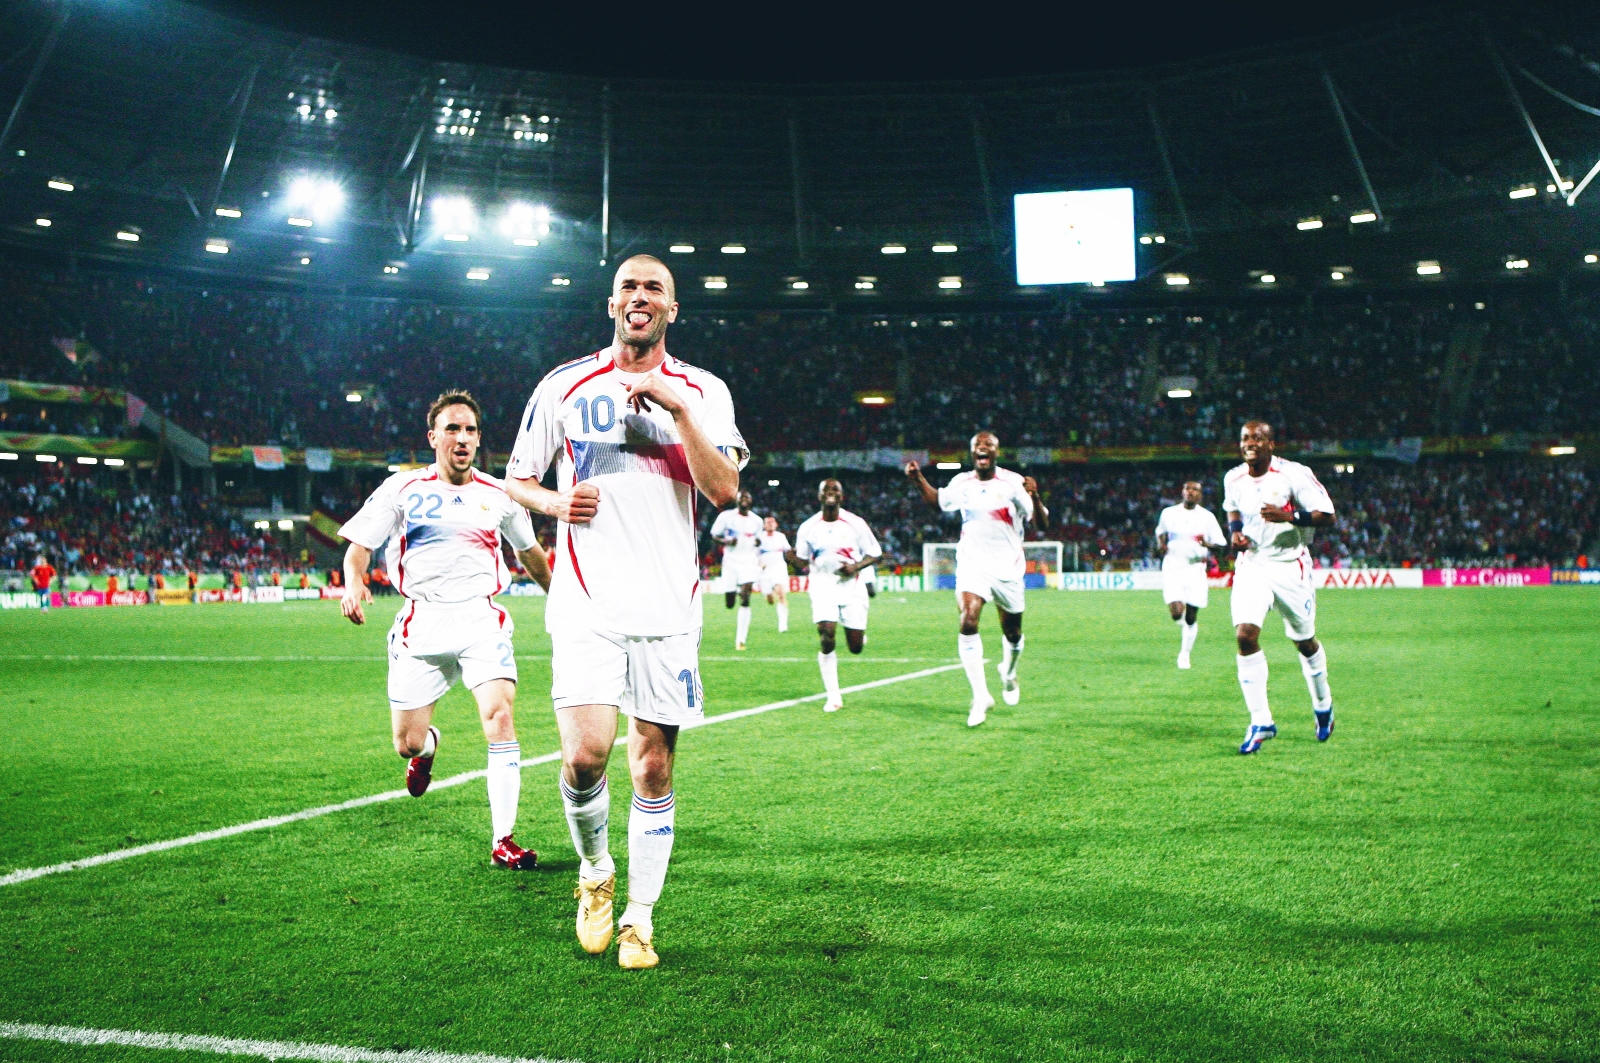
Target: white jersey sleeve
516, 528
718, 424
866, 540
1309, 494
540, 437
379, 518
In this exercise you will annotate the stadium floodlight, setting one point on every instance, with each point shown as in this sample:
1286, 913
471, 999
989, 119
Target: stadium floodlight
774, 483
354, 396
1307, 224
560, 281
715, 284
1591, 259
60, 184
1097, 284
477, 273
7, 455
799, 286
866, 284
682, 249
394, 468
893, 249
1153, 238
217, 247
127, 236
286, 525
314, 198
1180, 393
1557, 452
523, 223
733, 249
1524, 191
945, 249
1566, 186
330, 114
1429, 268
1516, 263
115, 462
1268, 278
229, 212
456, 238
946, 466
1362, 217
454, 217
303, 223
262, 525
391, 270
88, 461
1177, 280
949, 283
46, 458
525, 241
305, 260
43, 223
1337, 275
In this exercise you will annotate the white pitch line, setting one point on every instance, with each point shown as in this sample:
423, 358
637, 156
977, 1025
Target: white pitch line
27, 873
158, 658
232, 1046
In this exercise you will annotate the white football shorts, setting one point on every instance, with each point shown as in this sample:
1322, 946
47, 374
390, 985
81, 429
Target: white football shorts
655, 678
1004, 593
1288, 585
838, 603
774, 575
431, 645
736, 572
1184, 581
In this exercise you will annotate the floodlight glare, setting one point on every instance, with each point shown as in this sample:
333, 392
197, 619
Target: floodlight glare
682, 249
286, 525
313, 198
127, 236
1591, 259
949, 283
1524, 192
893, 249
43, 223
88, 461
522, 222
559, 281
1516, 263
303, 223
60, 185
1306, 224
944, 249
946, 466
733, 249
454, 216
1337, 275
116, 462
799, 286
1268, 278
716, 284
1362, 217
229, 212
1177, 280
354, 396
477, 273
1556, 452
1179, 393
216, 247
1428, 269
866, 284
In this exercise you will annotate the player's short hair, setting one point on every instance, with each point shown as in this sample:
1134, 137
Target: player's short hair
823, 486
672, 282
1271, 432
981, 432
455, 398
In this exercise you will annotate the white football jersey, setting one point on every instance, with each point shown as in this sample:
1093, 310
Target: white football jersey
1189, 532
993, 513
443, 540
742, 529
1285, 483
829, 545
634, 569
772, 547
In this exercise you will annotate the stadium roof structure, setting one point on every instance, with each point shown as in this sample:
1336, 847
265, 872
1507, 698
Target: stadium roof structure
177, 130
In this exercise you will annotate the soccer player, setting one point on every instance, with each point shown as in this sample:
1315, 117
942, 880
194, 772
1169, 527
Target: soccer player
836, 545
738, 530
994, 504
43, 574
773, 546
1186, 533
1272, 505
633, 433
443, 526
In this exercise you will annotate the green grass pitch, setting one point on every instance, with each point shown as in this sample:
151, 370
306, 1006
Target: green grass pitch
1094, 875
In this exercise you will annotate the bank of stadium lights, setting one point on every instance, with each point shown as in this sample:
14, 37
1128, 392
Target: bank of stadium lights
1180, 393
313, 199
1338, 274
1307, 224
1566, 186
524, 223
527, 128
733, 249
893, 249
945, 249
88, 461
949, 284
60, 184
477, 273
560, 281
314, 107
1268, 278
1557, 452
115, 463
458, 122
1362, 217
947, 466
217, 247
1516, 263
682, 249
391, 269
7, 455
128, 236
715, 284
43, 223
866, 284
454, 217
774, 483
1524, 192
1429, 268
799, 285
301, 223
305, 260
1153, 238
354, 396
229, 212
1177, 280
48, 459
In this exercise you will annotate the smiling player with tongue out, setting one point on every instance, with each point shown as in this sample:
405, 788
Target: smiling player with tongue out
633, 434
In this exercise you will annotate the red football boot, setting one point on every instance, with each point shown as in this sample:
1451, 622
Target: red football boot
508, 853
419, 773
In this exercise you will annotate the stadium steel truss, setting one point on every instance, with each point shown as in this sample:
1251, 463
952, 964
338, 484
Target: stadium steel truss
158, 118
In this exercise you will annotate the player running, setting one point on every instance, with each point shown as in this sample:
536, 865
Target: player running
994, 503
738, 530
1272, 505
633, 433
773, 546
836, 545
1186, 533
443, 526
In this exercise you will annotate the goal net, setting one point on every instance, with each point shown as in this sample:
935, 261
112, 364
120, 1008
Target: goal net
1042, 566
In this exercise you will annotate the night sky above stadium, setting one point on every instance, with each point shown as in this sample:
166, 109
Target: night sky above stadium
810, 42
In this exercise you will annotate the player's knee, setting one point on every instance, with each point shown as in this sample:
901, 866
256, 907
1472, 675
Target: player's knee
406, 747
1308, 648
652, 773
826, 643
969, 626
586, 765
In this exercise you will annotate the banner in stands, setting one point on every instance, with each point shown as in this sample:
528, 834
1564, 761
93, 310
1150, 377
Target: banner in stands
71, 393
269, 458
1575, 575
68, 446
1486, 577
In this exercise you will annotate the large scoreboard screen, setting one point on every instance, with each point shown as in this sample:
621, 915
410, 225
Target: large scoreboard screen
1075, 237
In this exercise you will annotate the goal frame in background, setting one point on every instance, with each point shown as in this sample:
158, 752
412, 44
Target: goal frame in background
1042, 561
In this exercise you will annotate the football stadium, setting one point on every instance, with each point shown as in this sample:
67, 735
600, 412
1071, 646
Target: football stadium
433, 444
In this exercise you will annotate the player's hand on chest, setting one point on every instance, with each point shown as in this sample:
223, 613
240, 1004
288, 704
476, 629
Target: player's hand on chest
601, 411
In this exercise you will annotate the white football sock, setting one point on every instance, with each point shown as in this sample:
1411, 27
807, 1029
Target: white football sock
1253, 681
1010, 655
1315, 668
505, 786
743, 625
1190, 632
970, 649
650, 824
588, 819
783, 616
428, 744
829, 663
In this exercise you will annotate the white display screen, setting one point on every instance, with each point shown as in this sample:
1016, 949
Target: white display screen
1075, 237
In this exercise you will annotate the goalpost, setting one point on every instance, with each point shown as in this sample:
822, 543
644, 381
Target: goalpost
1042, 566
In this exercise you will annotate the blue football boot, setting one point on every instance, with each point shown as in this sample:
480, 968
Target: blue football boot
1257, 735
1324, 724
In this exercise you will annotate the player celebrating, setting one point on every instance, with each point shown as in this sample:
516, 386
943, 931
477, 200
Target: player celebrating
993, 503
1186, 532
443, 526
633, 433
1272, 506
836, 545
773, 546
738, 531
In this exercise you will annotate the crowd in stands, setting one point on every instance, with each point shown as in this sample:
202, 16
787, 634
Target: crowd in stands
83, 526
249, 367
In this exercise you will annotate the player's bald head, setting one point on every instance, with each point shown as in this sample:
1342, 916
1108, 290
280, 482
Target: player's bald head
1262, 427
644, 268
986, 436
830, 486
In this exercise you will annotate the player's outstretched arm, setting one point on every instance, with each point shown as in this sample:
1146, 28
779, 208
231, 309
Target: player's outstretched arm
920, 482
714, 474
537, 564
357, 560
1041, 514
576, 505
